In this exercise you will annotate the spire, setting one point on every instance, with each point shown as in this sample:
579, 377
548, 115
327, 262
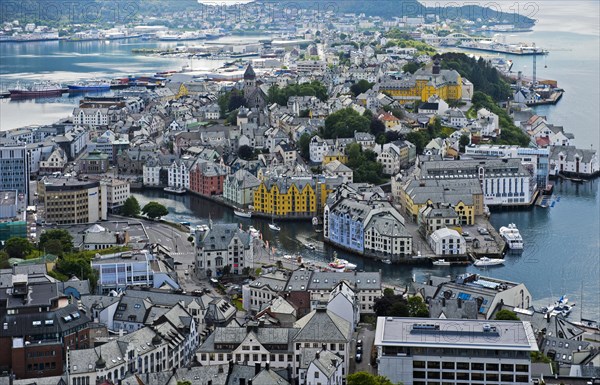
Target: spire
249, 74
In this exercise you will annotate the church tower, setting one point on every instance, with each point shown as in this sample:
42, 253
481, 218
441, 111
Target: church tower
249, 81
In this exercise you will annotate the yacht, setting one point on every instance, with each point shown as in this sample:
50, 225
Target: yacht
441, 262
561, 307
512, 236
274, 227
174, 190
242, 213
485, 261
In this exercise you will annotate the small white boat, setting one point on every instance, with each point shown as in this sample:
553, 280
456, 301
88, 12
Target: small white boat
242, 213
512, 236
274, 227
253, 232
560, 307
310, 246
387, 261
174, 190
441, 262
485, 261
341, 265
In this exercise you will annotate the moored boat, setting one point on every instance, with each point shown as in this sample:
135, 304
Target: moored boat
512, 236
91, 85
341, 265
242, 213
175, 190
485, 261
274, 227
387, 261
441, 262
36, 89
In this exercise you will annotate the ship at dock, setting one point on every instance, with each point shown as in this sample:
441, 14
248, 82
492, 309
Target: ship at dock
499, 47
37, 89
90, 86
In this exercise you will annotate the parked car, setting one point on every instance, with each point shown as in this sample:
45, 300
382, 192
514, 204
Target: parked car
358, 357
359, 343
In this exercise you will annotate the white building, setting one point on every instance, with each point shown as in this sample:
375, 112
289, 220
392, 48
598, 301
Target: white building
423, 351
337, 168
343, 301
90, 116
388, 155
179, 172
221, 245
326, 369
571, 160
317, 149
446, 241
117, 192
488, 123
261, 292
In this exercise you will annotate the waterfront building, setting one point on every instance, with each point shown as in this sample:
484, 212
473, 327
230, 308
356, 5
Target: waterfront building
301, 197
503, 181
206, 177
155, 170
446, 241
39, 327
423, 84
179, 172
423, 351
66, 200
536, 158
223, 245
572, 161
95, 162
119, 271
90, 116
238, 188
14, 167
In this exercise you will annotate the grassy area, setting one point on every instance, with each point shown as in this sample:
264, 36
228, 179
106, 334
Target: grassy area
238, 304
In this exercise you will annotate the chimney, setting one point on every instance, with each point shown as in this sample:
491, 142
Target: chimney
460, 303
256, 368
267, 365
250, 382
242, 381
230, 368
317, 355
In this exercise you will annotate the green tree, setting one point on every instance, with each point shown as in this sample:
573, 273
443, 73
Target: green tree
388, 292
506, 315
364, 378
184, 382
343, 124
376, 127
360, 87
417, 308
48, 241
411, 67
246, 152
131, 207
17, 247
78, 265
4, 260
464, 142
154, 210
304, 146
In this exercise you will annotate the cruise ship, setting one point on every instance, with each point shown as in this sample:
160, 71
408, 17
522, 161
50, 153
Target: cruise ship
512, 236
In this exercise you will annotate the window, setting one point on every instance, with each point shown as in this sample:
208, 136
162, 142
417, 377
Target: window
316, 374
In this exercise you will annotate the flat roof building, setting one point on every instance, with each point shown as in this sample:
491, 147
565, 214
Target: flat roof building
423, 351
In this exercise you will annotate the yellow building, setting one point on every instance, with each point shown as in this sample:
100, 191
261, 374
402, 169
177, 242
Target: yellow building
301, 197
426, 82
464, 195
334, 154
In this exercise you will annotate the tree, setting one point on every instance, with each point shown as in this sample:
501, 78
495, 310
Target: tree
184, 382
377, 127
464, 141
304, 146
246, 152
154, 210
360, 87
17, 247
56, 241
131, 207
4, 260
417, 308
388, 292
364, 378
507, 315
343, 124
77, 265
411, 67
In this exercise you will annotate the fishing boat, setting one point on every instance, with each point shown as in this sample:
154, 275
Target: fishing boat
91, 85
174, 190
341, 265
441, 262
512, 236
485, 261
242, 213
36, 89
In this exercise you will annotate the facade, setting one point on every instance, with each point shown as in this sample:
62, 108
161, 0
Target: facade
503, 181
90, 116
239, 187
317, 149
424, 83
437, 216
39, 326
55, 162
206, 178
221, 245
338, 169
568, 160
447, 242
423, 351
263, 290
14, 168
95, 162
117, 192
537, 158
117, 272
179, 172
293, 196
69, 201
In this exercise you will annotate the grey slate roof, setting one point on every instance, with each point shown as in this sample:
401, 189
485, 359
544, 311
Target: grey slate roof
220, 235
322, 325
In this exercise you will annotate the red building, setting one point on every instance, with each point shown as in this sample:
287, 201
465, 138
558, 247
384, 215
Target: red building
206, 178
38, 326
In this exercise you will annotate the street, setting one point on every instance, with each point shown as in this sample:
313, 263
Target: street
366, 333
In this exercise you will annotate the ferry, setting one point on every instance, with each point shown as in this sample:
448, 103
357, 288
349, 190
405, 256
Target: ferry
485, 261
91, 85
175, 190
512, 236
36, 89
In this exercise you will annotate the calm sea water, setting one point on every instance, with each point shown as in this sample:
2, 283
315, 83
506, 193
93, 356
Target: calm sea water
562, 253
